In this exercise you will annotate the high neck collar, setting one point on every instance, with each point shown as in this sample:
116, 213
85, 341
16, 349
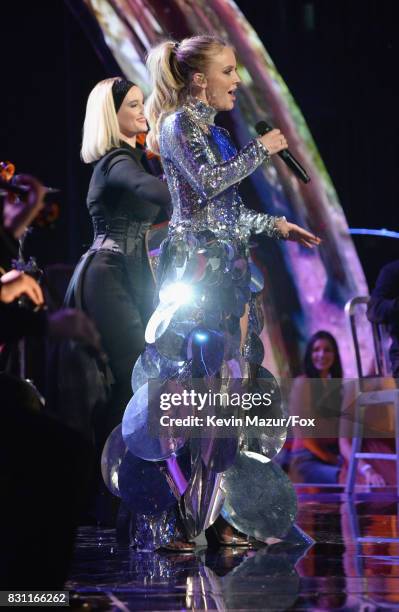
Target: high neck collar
137, 151
200, 111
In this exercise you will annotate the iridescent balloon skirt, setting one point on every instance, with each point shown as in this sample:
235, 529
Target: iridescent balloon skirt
176, 485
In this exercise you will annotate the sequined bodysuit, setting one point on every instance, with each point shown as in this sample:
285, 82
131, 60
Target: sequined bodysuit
208, 287
203, 171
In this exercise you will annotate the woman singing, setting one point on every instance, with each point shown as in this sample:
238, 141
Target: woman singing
204, 323
113, 281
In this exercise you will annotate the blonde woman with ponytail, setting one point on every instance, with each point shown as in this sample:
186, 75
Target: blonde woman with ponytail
192, 81
201, 327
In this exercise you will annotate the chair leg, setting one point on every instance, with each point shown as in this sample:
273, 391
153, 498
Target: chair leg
356, 447
397, 442
355, 534
351, 478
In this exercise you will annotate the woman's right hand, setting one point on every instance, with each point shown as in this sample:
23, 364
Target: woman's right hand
274, 141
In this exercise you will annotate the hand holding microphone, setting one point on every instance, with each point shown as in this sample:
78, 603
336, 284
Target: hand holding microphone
275, 142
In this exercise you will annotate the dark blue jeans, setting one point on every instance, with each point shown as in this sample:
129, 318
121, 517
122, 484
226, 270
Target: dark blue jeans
306, 467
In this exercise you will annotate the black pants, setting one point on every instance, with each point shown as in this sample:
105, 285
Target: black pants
117, 293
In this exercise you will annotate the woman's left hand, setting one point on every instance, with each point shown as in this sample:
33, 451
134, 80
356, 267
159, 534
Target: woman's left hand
294, 232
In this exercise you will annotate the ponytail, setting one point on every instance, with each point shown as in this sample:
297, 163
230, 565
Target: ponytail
167, 85
171, 66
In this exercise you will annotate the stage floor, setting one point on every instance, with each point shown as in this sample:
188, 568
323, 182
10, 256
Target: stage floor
353, 565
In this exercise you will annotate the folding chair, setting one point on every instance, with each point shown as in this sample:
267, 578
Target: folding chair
370, 398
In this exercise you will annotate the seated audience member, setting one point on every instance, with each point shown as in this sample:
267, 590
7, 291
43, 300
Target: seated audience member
325, 460
384, 308
315, 394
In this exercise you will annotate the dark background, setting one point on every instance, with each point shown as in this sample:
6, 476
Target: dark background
338, 58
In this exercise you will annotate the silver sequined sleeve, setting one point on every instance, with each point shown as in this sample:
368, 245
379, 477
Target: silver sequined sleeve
252, 222
185, 144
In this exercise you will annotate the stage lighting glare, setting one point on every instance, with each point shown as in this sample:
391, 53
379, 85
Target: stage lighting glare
201, 337
177, 293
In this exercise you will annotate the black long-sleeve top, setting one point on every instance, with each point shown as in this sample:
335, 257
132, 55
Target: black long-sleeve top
383, 306
124, 200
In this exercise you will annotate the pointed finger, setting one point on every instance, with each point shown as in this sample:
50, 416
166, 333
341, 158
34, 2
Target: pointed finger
307, 244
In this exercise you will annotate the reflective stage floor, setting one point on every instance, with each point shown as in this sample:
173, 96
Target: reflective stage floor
353, 565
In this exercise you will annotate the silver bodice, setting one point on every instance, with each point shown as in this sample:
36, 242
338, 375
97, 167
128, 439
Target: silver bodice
203, 181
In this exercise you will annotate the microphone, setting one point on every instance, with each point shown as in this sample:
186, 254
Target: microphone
262, 128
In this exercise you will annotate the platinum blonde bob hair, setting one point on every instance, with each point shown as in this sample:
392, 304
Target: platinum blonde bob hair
101, 127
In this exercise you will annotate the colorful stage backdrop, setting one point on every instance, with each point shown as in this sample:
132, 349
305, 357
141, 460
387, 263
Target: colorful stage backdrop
304, 290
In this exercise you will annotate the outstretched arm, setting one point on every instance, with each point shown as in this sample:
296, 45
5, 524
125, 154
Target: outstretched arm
276, 227
184, 142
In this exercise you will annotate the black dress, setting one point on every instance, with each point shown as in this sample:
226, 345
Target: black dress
113, 282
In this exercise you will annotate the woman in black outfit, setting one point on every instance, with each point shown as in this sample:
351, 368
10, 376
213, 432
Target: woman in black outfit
113, 282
